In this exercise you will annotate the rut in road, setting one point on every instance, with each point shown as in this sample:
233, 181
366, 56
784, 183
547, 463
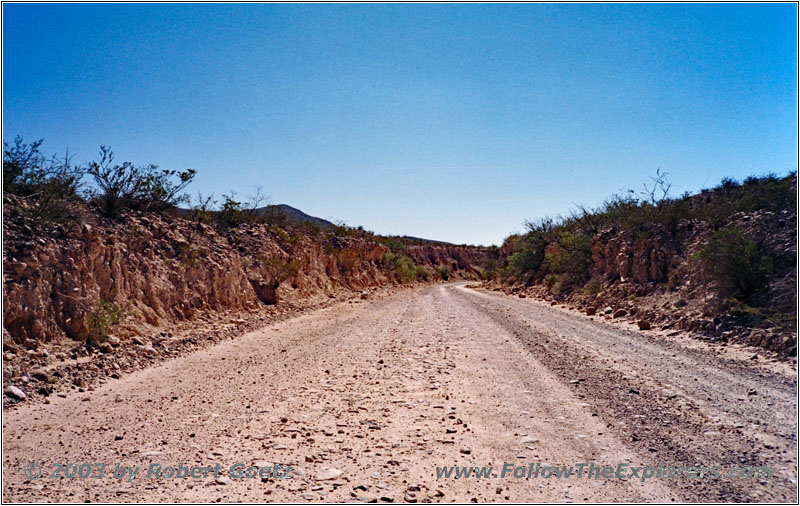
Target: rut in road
365, 400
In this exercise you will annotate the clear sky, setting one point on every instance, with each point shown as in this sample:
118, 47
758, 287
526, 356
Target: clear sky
452, 122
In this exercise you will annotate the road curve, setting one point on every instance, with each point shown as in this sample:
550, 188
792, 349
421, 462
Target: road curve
364, 400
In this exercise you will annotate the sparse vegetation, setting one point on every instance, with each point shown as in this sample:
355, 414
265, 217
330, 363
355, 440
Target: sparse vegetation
202, 210
231, 215
651, 236
593, 286
348, 259
404, 269
146, 187
562, 246
553, 283
51, 182
27, 173
279, 270
738, 265
104, 315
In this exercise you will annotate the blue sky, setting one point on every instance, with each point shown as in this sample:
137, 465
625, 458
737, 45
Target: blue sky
453, 122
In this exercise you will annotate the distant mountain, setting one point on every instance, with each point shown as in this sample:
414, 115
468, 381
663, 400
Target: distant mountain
298, 216
291, 214
294, 214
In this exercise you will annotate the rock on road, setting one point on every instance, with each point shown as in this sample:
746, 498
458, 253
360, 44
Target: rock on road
365, 400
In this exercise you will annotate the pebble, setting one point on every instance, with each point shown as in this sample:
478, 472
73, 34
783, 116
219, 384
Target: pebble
40, 375
329, 474
15, 392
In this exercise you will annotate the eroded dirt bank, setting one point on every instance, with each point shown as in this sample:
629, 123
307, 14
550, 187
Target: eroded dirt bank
118, 294
365, 400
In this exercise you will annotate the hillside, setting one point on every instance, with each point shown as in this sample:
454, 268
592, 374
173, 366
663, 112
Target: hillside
721, 263
88, 283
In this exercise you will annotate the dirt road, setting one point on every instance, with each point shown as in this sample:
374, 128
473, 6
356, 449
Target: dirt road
363, 401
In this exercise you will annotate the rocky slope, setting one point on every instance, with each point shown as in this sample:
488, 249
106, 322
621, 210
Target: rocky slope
92, 284
651, 273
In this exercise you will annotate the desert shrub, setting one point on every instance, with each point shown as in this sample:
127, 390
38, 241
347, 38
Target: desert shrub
279, 270
523, 263
26, 172
736, 263
268, 273
490, 264
310, 228
570, 256
231, 215
394, 244
728, 183
593, 286
348, 259
749, 316
444, 272
202, 210
101, 318
402, 267
553, 283
284, 236
191, 256
767, 192
126, 185
489, 269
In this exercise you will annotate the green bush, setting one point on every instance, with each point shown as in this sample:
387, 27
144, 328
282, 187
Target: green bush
444, 272
736, 263
593, 286
553, 283
101, 317
570, 256
489, 270
348, 259
403, 268
523, 263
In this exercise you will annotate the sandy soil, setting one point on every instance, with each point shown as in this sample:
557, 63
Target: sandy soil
364, 400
